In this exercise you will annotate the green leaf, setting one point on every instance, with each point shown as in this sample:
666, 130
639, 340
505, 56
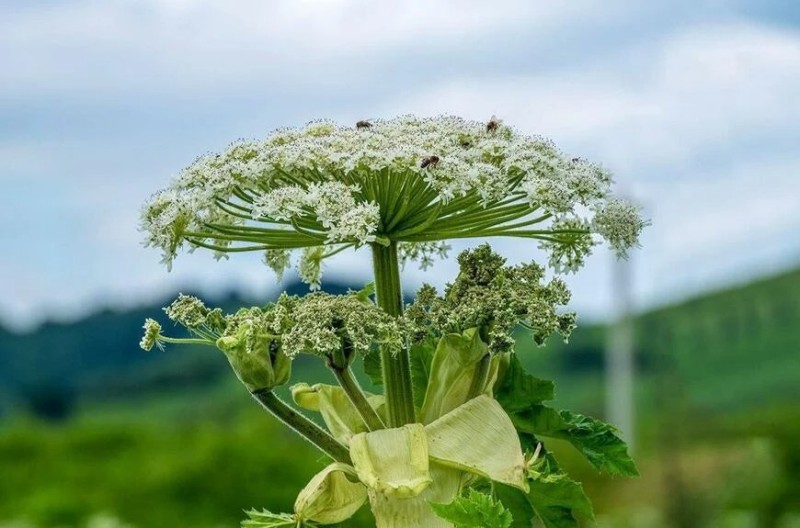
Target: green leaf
267, 519
372, 367
519, 390
521, 395
559, 501
596, 440
476, 510
517, 503
540, 420
600, 444
421, 357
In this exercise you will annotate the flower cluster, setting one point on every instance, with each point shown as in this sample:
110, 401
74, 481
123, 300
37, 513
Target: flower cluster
318, 323
620, 223
326, 325
416, 181
494, 298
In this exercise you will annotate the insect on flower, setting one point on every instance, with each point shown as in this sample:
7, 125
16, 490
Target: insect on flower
363, 124
493, 124
430, 161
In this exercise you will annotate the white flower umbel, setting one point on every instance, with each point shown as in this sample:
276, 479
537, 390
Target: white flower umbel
408, 180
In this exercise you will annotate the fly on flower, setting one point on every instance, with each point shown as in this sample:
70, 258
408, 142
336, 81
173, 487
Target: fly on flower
493, 125
430, 161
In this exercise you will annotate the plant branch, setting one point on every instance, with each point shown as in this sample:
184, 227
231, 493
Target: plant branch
318, 437
358, 398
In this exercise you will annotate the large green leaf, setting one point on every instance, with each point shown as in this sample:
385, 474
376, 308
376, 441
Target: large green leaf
519, 390
540, 420
596, 440
517, 503
556, 499
600, 444
475, 510
421, 357
559, 501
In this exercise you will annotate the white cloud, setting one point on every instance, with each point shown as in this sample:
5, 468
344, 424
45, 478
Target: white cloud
662, 103
93, 47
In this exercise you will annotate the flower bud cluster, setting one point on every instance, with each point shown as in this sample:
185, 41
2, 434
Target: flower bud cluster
325, 325
152, 335
494, 298
261, 339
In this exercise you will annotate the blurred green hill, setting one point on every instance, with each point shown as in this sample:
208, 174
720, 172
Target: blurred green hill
723, 352
52, 370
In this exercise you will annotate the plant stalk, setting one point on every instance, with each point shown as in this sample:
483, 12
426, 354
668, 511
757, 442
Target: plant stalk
358, 398
395, 366
318, 437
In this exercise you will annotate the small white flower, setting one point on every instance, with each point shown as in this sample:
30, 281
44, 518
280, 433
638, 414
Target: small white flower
569, 251
620, 223
310, 266
278, 260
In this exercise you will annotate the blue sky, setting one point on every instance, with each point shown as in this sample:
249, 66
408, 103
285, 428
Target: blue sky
693, 105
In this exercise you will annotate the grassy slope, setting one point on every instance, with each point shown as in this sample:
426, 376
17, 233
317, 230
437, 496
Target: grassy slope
728, 351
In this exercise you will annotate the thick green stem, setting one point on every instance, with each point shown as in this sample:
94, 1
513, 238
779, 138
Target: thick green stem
358, 398
396, 367
302, 426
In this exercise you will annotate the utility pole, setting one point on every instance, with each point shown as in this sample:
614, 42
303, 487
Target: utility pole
619, 354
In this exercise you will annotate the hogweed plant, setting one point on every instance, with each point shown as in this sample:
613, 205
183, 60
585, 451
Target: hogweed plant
456, 438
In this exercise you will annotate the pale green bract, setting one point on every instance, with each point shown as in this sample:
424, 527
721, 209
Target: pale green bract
415, 181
